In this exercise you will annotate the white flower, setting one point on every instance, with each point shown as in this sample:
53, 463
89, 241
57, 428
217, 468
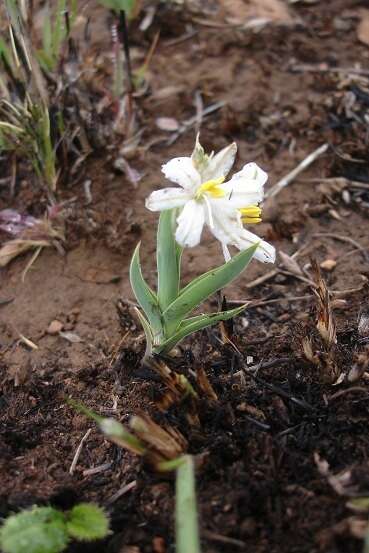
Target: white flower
206, 198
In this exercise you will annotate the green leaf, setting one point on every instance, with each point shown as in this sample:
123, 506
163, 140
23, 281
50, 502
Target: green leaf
204, 286
168, 258
145, 296
87, 522
40, 530
188, 326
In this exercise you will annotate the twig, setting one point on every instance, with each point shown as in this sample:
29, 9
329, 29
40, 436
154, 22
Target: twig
347, 391
97, 470
186, 125
252, 304
180, 39
78, 452
27, 341
341, 238
213, 536
121, 492
269, 302
347, 182
293, 174
323, 68
299, 277
262, 279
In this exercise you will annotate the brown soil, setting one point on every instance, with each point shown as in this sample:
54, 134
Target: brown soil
259, 484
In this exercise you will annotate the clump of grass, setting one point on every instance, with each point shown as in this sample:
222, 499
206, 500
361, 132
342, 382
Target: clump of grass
25, 129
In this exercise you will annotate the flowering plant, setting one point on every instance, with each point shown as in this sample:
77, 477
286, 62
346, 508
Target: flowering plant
203, 197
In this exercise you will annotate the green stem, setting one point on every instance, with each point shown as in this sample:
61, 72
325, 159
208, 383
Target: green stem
168, 259
187, 528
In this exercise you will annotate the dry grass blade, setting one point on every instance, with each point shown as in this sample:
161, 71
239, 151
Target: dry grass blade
325, 321
162, 444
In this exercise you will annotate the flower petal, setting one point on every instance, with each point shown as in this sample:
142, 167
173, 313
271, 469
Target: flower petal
190, 224
229, 231
220, 165
182, 171
245, 187
167, 198
265, 251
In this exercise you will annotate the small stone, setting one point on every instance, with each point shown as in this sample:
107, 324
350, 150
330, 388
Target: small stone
328, 264
54, 327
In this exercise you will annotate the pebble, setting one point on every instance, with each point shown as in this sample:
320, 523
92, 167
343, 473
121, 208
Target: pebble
328, 264
54, 327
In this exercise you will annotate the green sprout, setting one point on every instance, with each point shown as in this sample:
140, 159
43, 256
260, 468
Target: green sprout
47, 530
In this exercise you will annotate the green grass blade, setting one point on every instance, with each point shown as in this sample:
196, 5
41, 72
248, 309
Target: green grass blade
187, 526
203, 287
145, 296
167, 260
195, 324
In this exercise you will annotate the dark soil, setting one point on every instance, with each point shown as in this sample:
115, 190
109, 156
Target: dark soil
260, 447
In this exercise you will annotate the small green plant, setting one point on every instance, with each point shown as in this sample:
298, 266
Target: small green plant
55, 32
25, 129
203, 198
47, 530
24, 109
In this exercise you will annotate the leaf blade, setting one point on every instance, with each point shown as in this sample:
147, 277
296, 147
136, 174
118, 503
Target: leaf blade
204, 286
167, 258
195, 324
144, 295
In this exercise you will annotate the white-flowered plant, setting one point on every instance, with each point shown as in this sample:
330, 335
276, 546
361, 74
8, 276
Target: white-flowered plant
203, 197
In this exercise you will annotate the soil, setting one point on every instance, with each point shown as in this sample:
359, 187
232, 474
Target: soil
261, 446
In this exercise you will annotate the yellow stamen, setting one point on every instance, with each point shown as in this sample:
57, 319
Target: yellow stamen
211, 187
251, 214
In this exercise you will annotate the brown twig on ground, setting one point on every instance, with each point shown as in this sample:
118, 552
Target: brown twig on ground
78, 452
122, 491
343, 239
186, 125
324, 68
296, 171
342, 180
347, 391
213, 536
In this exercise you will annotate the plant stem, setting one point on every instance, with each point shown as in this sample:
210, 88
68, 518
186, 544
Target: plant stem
187, 528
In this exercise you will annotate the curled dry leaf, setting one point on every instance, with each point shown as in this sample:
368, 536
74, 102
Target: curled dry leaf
168, 443
290, 264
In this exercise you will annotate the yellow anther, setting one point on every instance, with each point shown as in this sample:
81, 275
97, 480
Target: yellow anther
211, 187
251, 214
